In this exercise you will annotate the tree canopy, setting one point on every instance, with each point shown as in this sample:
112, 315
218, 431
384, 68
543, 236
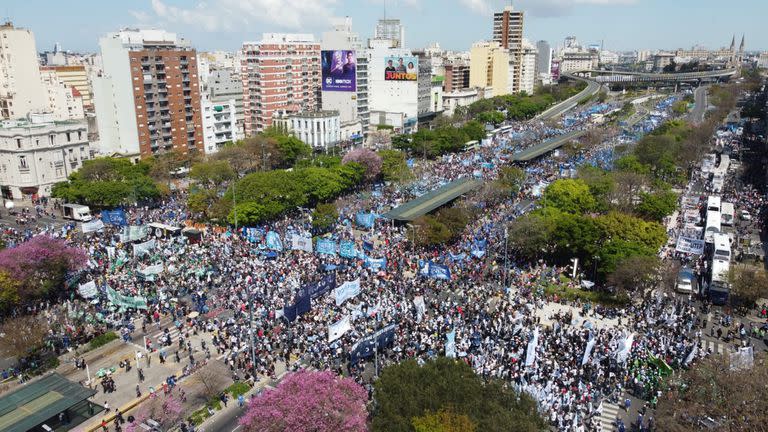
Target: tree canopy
407, 395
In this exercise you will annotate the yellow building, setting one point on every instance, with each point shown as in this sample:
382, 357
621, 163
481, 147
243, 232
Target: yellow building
76, 77
490, 67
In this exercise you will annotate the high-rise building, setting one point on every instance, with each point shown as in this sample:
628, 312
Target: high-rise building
393, 86
148, 99
225, 85
508, 32
527, 68
390, 29
64, 102
280, 74
350, 104
490, 67
21, 89
73, 76
543, 58
456, 76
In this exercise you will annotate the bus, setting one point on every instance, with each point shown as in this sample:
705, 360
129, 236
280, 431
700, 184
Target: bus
471, 145
713, 226
505, 129
718, 282
722, 250
727, 214
713, 203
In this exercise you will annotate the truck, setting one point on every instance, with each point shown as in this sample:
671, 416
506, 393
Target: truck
76, 212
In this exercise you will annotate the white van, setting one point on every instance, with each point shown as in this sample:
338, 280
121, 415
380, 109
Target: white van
76, 212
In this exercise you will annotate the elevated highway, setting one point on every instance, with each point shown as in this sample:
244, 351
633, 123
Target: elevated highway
620, 77
559, 109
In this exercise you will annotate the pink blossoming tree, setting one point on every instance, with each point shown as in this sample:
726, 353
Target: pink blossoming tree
369, 159
309, 401
165, 410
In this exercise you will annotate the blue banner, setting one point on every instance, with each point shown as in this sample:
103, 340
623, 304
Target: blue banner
376, 264
438, 271
347, 249
252, 234
302, 305
114, 217
366, 347
478, 248
365, 220
367, 245
457, 257
326, 246
316, 289
274, 242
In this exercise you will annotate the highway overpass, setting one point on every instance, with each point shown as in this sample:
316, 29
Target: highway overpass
634, 78
559, 109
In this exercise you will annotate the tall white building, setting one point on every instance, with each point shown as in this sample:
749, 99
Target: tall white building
352, 105
21, 89
219, 124
392, 97
36, 154
225, 85
65, 102
527, 67
543, 60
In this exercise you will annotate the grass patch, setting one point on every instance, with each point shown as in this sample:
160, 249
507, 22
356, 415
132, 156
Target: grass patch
102, 340
598, 297
238, 389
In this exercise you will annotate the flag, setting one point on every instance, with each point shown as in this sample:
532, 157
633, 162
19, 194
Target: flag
367, 245
366, 346
326, 246
301, 243
143, 248
346, 291
588, 350
438, 271
347, 249
450, 344
418, 301
133, 233
93, 226
337, 329
88, 290
530, 353
625, 346
114, 217
365, 220
376, 264
274, 242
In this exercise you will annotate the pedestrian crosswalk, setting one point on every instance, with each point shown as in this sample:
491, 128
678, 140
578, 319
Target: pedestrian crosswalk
714, 347
608, 416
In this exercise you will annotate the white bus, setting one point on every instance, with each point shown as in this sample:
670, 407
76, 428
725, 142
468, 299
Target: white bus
713, 203
727, 214
713, 226
718, 282
725, 163
722, 250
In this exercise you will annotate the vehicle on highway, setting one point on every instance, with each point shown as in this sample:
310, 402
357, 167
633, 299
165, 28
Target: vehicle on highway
726, 214
719, 288
686, 280
713, 226
76, 212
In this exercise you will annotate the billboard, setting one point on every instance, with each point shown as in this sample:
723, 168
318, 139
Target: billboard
401, 68
339, 69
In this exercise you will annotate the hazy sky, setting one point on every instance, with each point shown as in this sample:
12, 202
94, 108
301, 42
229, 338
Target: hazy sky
455, 24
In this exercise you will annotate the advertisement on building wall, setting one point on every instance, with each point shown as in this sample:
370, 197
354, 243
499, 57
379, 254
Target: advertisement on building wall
401, 68
339, 70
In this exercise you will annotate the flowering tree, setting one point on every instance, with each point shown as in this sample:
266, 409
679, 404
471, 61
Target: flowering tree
368, 159
304, 401
40, 265
165, 410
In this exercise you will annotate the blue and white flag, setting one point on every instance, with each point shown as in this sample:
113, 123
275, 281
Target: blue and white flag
625, 346
326, 246
588, 349
458, 257
252, 234
530, 353
346, 291
337, 329
367, 245
438, 271
421, 307
365, 220
410, 163
377, 264
114, 217
478, 248
92, 226
450, 344
301, 243
347, 249
274, 242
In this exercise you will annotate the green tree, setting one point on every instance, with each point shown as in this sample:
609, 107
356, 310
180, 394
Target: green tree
511, 179
635, 273
394, 167
290, 148
9, 292
324, 216
430, 231
569, 195
406, 391
749, 284
601, 185
493, 117
443, 421
656, 206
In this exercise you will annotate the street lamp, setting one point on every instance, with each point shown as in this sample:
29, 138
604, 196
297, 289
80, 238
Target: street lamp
506, 243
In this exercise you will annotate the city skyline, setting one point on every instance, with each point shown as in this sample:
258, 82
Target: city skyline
677, 25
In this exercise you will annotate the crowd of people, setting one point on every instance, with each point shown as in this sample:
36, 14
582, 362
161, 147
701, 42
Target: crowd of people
216, 285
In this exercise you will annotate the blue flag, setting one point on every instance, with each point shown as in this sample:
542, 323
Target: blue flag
365, 220
326, 246
368, 245
274, 242
347, 249
438, 271
366, 347
114, 217
376, 264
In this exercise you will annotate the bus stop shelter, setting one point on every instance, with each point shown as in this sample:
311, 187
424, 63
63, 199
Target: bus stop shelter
36, 405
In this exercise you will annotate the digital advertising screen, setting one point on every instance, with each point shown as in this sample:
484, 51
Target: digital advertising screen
339, 70
401, 68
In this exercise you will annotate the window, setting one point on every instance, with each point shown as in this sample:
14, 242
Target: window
18, 142
69, 137
23, 162
52, 139
79, 135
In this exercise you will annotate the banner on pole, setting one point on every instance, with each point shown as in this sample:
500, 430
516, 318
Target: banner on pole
301, 243
337, 329
326, 246
347, 249
346, 291
690, 245
274, 242
88, 290
93, 226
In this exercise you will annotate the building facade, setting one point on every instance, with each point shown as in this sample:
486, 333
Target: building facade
321, 130
527, 68
280, 73
578, 60
21, 88
219, 124
543, 60
64, 102
36, 154
398, 99
225, 85
508, 32
456, 77
74, 76
390, 29
148, 99
490, 67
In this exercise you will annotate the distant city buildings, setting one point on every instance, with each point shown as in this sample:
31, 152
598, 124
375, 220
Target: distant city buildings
508, 32
321, 130
491, 67
280, 74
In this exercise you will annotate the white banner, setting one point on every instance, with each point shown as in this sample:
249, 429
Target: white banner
337, 329
301, 243
625, 346
588, 351
346, 291
153, 269
418, 301
143, 248
530, 354
88, 290
92, 226
690, 245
